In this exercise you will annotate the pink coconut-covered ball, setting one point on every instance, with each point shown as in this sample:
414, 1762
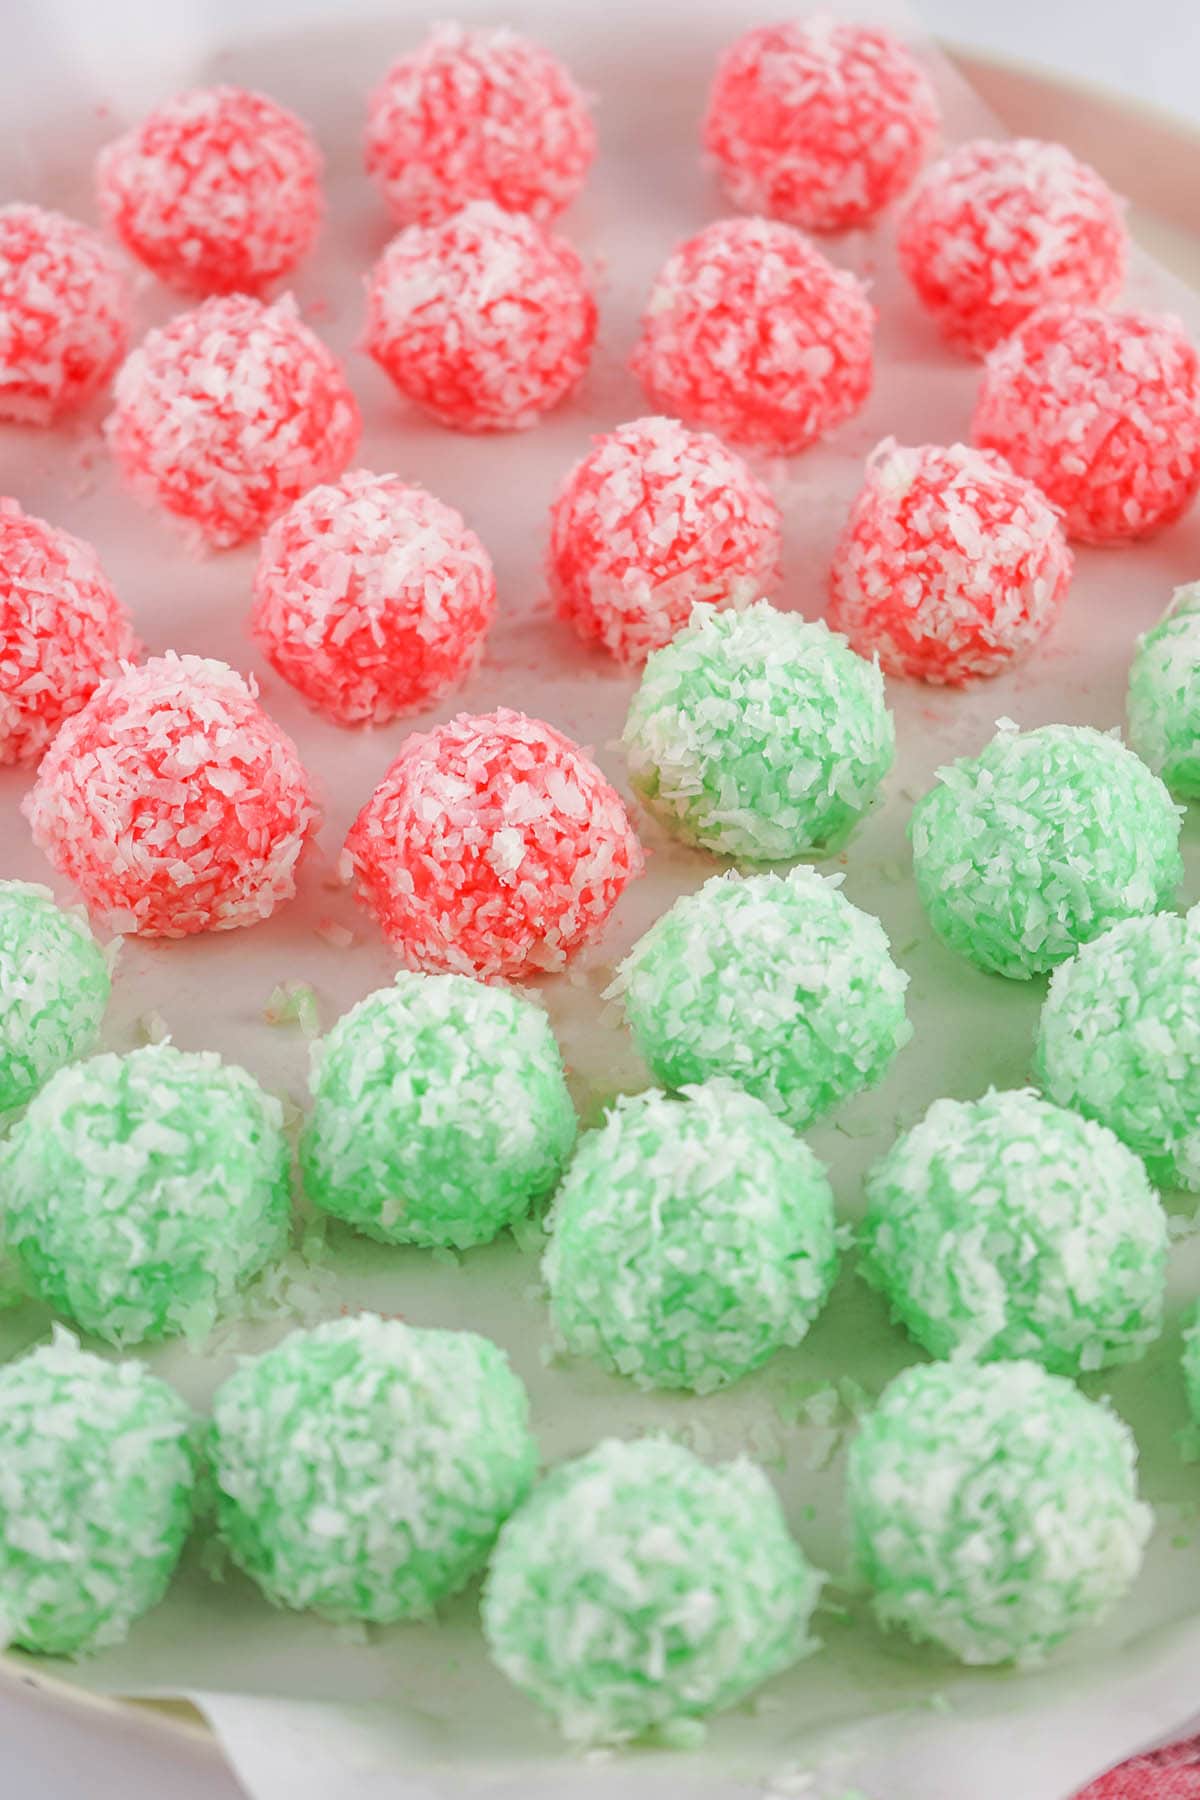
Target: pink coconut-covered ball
996, 229
1102, 410
64, 314
372, 598
750, 331
62, 630
950, 565
485, 321
819, 122
477, 115
493, 846
226, 414
653, 521
173, 802
218, 191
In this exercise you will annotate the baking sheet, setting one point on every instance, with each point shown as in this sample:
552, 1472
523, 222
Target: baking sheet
418, 1711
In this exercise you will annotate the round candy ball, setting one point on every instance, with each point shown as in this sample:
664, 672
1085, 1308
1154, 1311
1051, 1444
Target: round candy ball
997, 229
691, 1238
758, 734
142, 1191
775, 981
993, 1509
1009, 1227
173, 802
364, 1467
96, 1496
1119, 1040
949, 567
62, 629
1041, 842
493, 846
217, 191
54, 987
639, 1588
64, 313
225, 415
654, 521
440, 1113
750, 331
485, 321
1163, 703
372, 598
477, 115
1102, 411
819, 122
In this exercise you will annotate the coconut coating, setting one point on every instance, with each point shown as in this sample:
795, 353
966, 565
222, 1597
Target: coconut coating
691, 1238
1163, 703
142, 1191
751, 332
758, 734
97, 1470
364, 1467
1009, 1227
1191, 1368
440, 1112
993, 1509
64, 314
54, 987
775, 981
819, 122
639, 1587
1039, 843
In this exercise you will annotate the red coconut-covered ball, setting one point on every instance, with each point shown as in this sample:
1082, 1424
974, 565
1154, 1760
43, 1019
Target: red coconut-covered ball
218, 191
372, 598
655, 520
62, 630
485, 321
950, 565
64, 311
751, 331
819, 122
1102, 410
493, 846
995, 230
477, 115
173, 802
227, 414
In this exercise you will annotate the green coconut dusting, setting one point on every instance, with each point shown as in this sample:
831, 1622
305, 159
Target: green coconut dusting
364, 1467
54, 987
440, 1112
691, 1238
97, 1466
1163, 705
993, 1509
1040, 843
1008, 1227
774, 981
758, 734
142, 1191
1191, 1366
639, 1587
1119, 1040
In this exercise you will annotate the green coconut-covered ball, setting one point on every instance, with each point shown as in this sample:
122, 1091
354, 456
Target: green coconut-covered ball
759, 734
1009, 1227
692, 1237
1191, 1366
54, 987
1041, 842
1119, 1040
142, 1191
775, 981
639, 1588
440, 1112
364, 1467
993, 1509
1163, 705
97, 1468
